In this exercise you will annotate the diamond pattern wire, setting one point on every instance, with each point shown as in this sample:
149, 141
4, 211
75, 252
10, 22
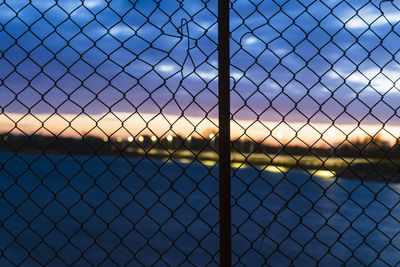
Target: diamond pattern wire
108, 140
313, 182
105, 155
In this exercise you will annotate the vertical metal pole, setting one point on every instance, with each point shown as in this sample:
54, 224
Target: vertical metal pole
224, 134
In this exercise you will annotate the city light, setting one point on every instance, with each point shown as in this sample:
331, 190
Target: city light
130, 139
276, 169
184, 160
105, 139
119, 139
170, 138
211, 136
325, 174
239, 165
141, 138
153, 138
208, 162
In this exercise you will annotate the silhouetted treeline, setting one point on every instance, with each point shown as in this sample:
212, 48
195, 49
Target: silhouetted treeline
367, 147
53, 145
94, 145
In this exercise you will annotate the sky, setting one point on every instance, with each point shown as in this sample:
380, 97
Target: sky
328, 62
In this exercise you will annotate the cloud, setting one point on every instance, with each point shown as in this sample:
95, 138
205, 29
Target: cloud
356, 23
280, 51
207, 75
237, 75
166, 68
122, 29
372, 17
250, 40
92, 3
373, 79
204, 24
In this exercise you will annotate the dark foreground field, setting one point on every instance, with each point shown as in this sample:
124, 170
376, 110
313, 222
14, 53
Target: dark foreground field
66, 210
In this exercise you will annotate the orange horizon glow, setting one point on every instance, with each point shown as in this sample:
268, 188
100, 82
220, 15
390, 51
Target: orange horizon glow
125, 125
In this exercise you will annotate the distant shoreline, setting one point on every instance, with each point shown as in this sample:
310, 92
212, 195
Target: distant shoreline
330, 166
340, 167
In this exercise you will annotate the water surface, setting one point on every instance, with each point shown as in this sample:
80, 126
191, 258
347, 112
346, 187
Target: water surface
64, 210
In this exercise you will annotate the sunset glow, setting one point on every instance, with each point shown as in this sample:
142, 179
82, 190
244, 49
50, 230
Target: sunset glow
110, 125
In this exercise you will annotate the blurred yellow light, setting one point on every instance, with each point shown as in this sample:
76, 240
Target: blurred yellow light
208, 162
153, 138
119, 139
170, 138
141, 138
211, 136
277, 169
130, 139
238, 165
325, 174
105, 139
183, 160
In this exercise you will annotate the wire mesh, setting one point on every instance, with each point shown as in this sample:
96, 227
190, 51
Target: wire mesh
316, 149
107, 154
109, 134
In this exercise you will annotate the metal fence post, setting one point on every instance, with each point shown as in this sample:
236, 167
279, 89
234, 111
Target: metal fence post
224, 133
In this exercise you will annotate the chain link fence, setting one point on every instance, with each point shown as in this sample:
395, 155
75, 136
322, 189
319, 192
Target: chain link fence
313, 105
105, 108
109, 133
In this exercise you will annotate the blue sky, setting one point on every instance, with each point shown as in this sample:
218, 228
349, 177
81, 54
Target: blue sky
291, 60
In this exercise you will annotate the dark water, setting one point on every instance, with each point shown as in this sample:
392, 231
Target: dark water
58, 211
